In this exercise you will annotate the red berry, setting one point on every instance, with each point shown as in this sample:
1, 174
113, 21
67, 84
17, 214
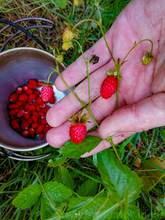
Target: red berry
23, 98
24, 87
42, 105
30, 86
52, 100
27, 114
43, 121
48, 107
25, 125
25, 133
20, 113
18, 103
34, 125
34, 118
29, 91
35, 113
30, 120
39, 100
13, 97
41, 135
36, 92
14, 124
13, 106
33, 82
46, 129
13, 112
108, 87
19, 90
77, 133
32, 96
32, 107
42, 113
38, 109
46, 93
39, 129
31, 131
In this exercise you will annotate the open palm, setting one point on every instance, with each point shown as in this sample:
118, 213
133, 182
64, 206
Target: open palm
141, 97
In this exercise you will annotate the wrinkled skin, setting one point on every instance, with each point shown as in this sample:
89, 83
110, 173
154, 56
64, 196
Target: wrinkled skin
141, 91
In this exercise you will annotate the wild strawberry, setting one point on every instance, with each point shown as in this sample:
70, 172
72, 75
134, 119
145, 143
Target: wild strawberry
41, 135
33, 82
67, 45
52, 100
46, 93
13, 106
78, 128
39, 129
147, 58
77, 133
14, 124
13, 97
20, 113
25, 125
68, 35
13, 112
19, 90
25, 133
23, 98
29, 91
108, 87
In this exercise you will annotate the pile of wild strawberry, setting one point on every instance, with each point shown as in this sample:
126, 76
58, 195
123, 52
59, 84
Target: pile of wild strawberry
28, 107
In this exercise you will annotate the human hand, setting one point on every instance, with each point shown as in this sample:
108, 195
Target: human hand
141, 91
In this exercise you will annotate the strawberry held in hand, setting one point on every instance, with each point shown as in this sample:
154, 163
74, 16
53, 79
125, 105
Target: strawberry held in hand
109, 87
78, 128
46, 93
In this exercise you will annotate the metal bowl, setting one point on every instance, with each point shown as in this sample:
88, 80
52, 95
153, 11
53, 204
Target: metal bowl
17, 66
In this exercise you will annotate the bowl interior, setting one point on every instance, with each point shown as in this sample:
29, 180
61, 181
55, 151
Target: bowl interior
17, 66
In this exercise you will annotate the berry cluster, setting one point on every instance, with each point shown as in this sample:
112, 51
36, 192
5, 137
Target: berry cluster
28, 108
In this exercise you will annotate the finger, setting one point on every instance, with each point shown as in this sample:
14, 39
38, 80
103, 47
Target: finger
105, 144
76, 72
69, 105
139, 117
158, 84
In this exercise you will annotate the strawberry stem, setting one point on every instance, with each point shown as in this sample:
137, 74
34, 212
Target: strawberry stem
118, 80
49, 77
135, 45
109, 139
86, 63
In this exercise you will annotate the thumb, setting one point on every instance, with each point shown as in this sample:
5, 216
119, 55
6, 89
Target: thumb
142, 116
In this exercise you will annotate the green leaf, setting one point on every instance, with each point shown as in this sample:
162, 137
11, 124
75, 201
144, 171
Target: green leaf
88, 188
118, 177
60, 3
161, 207
66, 177
27, 197
58, 161
57, 191
72, 150
87, 207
